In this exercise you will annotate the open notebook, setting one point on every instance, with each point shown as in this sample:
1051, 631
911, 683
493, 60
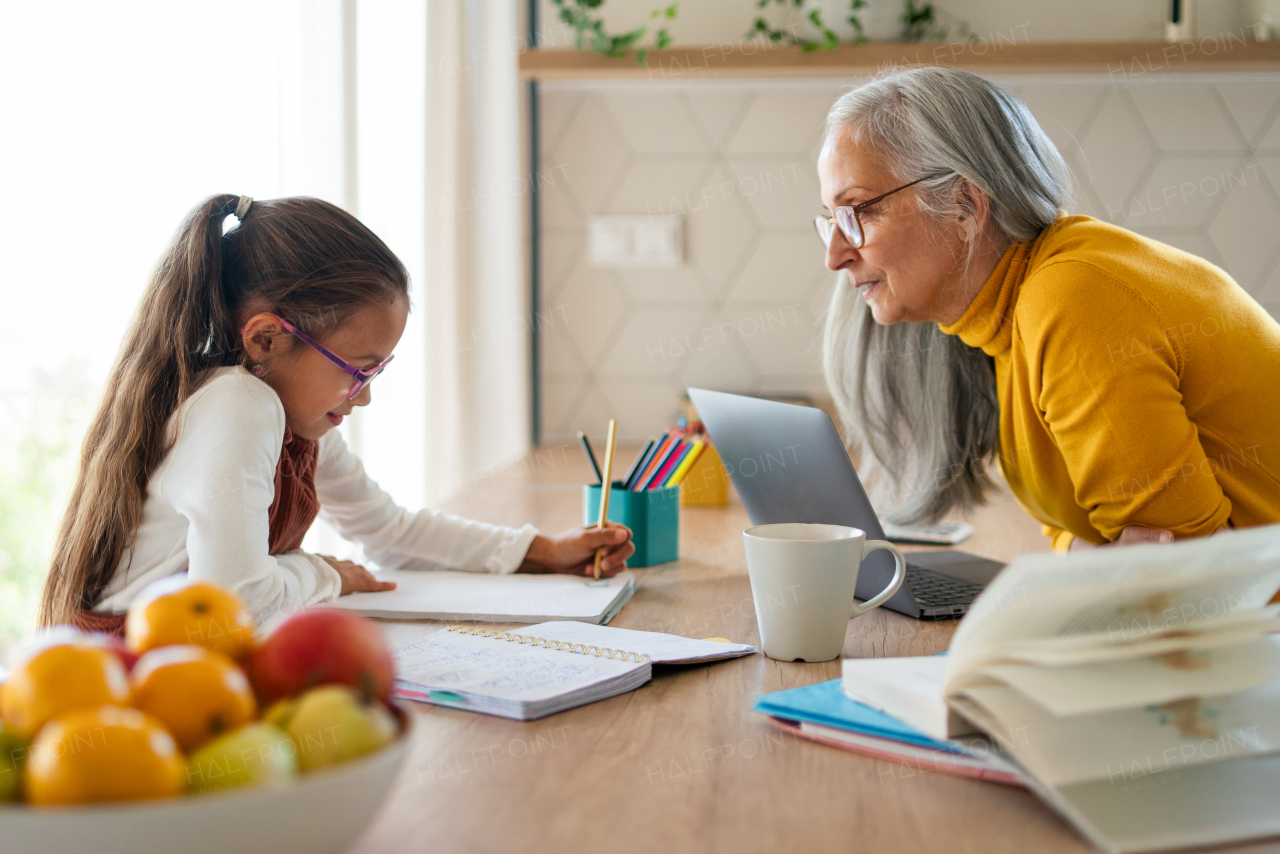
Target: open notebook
547, 669
483, 598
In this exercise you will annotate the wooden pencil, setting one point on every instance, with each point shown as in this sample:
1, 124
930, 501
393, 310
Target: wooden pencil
605, 489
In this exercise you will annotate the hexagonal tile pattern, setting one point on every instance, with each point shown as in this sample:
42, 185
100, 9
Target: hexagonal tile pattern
592, 305
781, 121
1166, 111
1062, 112
720, 230
1183, 192
782, 339
643, 408
783, 191
781, 267
657, 123
1244, 231
720, 111
658, 341
1117, 150
662, 187
1251, 104
737, 161
589, 156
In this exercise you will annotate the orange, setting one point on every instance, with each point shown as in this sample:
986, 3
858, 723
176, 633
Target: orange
103, 754
176, 610
195, 692
58, 673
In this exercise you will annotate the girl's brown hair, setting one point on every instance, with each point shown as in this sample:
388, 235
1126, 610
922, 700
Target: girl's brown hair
303, 259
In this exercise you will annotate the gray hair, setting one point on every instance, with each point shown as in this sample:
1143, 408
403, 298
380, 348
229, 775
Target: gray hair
920, 405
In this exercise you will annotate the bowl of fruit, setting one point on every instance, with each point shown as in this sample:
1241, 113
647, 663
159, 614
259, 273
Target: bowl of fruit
189, 735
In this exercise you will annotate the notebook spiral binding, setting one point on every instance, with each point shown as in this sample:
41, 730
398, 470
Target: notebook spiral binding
566, 646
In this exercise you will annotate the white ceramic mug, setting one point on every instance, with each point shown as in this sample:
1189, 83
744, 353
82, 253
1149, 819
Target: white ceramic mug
802, 580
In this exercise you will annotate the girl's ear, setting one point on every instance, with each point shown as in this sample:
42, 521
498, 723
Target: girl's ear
261, 336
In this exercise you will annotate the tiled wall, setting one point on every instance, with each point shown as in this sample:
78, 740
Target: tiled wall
1193, 161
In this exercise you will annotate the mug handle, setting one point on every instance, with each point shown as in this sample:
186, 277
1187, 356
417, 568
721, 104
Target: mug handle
899, 576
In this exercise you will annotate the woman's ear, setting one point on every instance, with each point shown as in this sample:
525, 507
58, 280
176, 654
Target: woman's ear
976, 206
261, 337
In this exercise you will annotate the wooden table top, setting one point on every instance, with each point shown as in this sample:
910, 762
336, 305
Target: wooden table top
683, 764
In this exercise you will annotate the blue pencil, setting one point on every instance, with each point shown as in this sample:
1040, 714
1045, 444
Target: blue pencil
631, 472
644, 464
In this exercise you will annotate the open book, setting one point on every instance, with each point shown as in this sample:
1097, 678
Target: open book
542, 669
484, 598
1139, 687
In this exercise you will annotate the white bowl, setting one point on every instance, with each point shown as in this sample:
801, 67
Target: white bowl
322, 813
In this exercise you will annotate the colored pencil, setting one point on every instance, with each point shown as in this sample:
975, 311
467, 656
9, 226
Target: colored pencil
606, 489
659, 456
687, 463
635, 464
660, 479
644, 464
591, 456
661, 464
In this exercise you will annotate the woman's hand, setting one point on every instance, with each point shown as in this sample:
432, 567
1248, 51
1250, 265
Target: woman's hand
573, 552
355, 578
1133, 535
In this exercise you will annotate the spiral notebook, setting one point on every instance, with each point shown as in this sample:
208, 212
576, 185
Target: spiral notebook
546, 669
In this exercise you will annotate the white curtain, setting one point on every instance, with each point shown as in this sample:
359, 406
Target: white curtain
437, 175
439, 178
475, 307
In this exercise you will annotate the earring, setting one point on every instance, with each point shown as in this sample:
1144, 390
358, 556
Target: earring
258, 371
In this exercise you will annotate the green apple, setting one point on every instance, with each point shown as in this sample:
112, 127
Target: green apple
13, 751
256, 754
333, 723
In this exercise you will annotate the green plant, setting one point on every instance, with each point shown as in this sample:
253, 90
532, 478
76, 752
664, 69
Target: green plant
920, 23
589, 30
829, 40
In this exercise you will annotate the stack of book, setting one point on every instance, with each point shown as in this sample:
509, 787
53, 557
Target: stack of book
1136, 690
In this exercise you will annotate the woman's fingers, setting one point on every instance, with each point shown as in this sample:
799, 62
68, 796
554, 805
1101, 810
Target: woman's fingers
1136, 534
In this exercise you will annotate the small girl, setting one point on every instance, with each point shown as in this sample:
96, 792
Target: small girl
213, 449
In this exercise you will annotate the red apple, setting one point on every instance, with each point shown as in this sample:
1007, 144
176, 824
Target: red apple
319, 646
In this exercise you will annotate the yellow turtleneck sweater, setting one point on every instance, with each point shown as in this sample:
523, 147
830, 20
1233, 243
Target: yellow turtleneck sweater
1138, 385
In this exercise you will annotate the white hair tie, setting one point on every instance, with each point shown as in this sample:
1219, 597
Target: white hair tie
242, 207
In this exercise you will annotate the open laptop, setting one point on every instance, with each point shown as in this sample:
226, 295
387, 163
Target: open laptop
789, 465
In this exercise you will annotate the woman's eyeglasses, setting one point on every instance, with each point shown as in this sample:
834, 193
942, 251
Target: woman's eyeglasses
362, 378
846, 216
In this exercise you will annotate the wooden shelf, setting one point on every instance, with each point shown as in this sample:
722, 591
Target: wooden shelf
1121, 60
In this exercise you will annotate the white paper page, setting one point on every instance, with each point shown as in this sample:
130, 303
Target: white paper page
1129, 744
479, 666
909, 689
661, 648
1124, 593
1069, 652
448, 595
1131, 684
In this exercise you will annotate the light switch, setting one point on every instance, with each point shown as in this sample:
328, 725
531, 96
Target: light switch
635, 242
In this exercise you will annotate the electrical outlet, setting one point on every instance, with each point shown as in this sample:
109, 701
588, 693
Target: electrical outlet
636, 242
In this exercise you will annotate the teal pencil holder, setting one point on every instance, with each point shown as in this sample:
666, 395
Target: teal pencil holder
653, 517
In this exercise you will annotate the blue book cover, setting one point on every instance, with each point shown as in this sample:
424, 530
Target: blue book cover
824, 703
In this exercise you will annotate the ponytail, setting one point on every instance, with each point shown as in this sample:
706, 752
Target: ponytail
303, 258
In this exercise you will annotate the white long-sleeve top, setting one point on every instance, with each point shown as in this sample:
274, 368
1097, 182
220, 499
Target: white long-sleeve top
207, 504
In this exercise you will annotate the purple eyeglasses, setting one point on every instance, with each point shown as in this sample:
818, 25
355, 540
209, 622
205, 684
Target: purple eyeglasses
362, 378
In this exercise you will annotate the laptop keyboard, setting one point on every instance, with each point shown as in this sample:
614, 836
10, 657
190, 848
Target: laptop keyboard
936, 591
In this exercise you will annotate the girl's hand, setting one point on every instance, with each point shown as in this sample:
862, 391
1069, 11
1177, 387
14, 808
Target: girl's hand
574, 551
355, 578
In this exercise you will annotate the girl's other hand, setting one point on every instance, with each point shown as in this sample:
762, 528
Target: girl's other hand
573, 552
1134, 535
355, 578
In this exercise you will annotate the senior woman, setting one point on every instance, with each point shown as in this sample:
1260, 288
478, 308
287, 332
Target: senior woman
1131, 391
